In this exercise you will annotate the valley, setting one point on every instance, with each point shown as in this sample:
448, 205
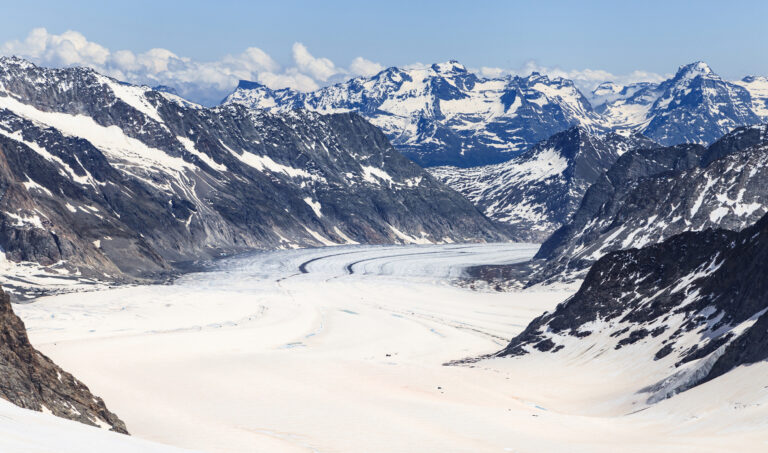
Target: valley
343, 349
385, 227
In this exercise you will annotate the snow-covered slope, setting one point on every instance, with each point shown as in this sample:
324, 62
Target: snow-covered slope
649, 196
758, 89
625, 107
691, 309
444, 114
116, 180
539, 190
27, 431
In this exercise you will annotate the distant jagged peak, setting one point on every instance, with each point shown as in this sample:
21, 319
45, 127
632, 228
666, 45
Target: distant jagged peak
607, 88
754, 78
539, 77
166, 89
251, 85
693, 70
15, 61
448, 67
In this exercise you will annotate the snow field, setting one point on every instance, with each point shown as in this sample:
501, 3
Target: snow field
342, 349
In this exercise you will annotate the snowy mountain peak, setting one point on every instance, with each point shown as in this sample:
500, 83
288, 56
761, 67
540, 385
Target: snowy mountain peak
694, 106
607, 88
698, 106
250, 85
695, 69
752, 79
15, 61
542, 78
449, 67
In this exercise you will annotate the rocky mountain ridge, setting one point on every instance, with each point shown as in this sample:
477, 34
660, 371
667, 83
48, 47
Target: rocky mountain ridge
692, 308
539, 190
651, 195
103, 180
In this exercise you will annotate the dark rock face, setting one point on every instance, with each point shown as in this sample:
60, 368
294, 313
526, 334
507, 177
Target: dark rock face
31, 380
697, 301
122, 182
444, 114
538, 191
651, 195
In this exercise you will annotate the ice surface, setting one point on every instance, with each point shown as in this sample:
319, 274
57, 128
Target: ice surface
342, 349
26, 431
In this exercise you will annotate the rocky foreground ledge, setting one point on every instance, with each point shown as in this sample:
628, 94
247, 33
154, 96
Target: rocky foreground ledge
32, 381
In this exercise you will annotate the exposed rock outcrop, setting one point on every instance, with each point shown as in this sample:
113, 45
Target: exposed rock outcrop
32, 381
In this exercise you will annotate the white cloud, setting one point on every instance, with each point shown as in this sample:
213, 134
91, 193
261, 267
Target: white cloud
288, 79
485, 71
203, 81
319, 68
67, 48
363, 67
587, 79
254, 59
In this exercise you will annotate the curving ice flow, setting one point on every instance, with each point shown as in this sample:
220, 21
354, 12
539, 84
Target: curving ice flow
437, 263
341, 349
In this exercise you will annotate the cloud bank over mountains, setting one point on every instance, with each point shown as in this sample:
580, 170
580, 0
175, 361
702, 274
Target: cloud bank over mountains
585, 79
203, 81
208, 82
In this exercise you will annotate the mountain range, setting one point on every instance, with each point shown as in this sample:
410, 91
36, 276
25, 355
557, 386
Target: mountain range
646, 196
443, 114
446, 115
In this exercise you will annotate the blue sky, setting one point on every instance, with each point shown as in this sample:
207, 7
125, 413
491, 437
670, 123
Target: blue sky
614, 36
